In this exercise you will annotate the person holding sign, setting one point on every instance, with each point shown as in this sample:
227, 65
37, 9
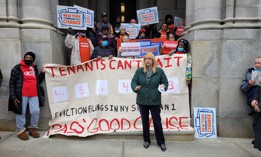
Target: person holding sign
24, 90
183, 48
249, 87
145, 83
81, 46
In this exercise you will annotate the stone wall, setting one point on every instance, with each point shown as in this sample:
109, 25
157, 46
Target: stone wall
24, 27
225, 39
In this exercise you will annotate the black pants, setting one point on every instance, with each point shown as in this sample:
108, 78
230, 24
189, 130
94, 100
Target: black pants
155, 113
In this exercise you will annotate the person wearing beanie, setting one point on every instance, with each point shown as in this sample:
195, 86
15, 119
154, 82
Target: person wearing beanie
104, 22
24, 90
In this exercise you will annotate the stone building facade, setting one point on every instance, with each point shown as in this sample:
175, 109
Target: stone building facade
224, 37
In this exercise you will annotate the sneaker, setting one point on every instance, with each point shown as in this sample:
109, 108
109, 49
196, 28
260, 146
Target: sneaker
33, 132
163, 147
23, 136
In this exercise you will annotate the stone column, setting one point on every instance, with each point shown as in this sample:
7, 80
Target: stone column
3, 16
141, 4
189, 13
241, 14
12, 9
36, 14
207, 14
102, 6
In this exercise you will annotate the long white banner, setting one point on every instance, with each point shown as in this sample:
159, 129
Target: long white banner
96, 97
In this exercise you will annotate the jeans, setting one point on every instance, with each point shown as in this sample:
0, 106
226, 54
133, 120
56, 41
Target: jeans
34, 111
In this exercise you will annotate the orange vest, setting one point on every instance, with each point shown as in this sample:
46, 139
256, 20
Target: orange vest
85, 50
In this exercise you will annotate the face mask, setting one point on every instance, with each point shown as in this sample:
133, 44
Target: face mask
28, 62
83, 34
180, 49
105, 43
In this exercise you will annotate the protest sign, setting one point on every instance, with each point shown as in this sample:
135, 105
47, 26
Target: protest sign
130, 49
75, 17
95, 97
131, 29
178, 21
205, 122
153, 48
148, 16
169, 46
180, 30
89, 22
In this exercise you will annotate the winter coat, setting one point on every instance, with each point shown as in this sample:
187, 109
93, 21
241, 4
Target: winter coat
246, 88
73, 42
103, 52
258, 95
16, 84
149, 93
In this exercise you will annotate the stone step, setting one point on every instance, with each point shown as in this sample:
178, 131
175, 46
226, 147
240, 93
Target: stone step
184, 135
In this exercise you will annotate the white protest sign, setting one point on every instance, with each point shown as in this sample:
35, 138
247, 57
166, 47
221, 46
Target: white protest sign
130, 49
75, 17
205, 122
148, 16
131, 29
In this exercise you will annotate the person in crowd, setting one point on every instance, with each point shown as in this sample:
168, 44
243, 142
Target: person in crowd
145, 83
120, 36
81, 46
91, 33
183, 48
133, 21
24, 90
103, 50
171, 28
111, 39
142, 34
168, 18
125, 38
151, 31
249, 87
116, 26
170, 36
105, 22
163, 31
256, 104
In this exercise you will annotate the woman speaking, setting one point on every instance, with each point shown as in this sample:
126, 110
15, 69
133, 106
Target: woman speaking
147, 82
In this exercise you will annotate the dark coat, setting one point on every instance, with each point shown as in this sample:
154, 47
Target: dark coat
246, 88
1, 77
16, 84
148, 93
103, 52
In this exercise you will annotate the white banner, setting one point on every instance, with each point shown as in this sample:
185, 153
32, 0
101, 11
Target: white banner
96, 97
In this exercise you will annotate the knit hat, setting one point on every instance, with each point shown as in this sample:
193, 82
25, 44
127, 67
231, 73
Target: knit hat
30, 54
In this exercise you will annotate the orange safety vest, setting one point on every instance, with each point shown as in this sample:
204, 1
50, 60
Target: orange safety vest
85, 50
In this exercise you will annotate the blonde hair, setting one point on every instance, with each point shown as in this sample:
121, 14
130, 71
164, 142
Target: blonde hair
154, 62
